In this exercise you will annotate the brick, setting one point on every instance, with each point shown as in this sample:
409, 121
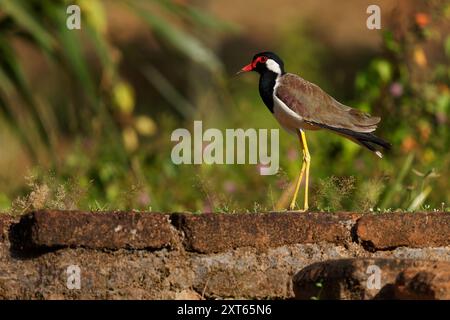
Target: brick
211, 232
391, 230
399, 279
113, 230
5, 222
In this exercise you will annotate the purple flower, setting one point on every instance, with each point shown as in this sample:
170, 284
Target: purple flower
282, 184
206, 207
441, 117
292, 154
144, 199
396, 89
229, 186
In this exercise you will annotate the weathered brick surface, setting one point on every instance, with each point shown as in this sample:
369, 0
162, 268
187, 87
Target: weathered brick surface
390, 230
208, 233
211, 255
113, 230
398, 279
2, 227
5, 222
424, 283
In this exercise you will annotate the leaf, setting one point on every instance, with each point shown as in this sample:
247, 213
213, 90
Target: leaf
166, 89
95, 14
447, 46
383, 69
12, 69
123, 95
20, 12
104, 52
197, 16
182, 41
415, 204
5, 82
12, 74
390, 42
5, 202
397, 183
130, 139
71, 48
8, 113
442, 103
145, 126
419, 57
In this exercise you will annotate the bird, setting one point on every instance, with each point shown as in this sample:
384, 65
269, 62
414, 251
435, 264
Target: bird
299, 105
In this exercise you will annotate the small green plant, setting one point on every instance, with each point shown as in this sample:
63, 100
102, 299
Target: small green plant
367, 195
318, 284
330, 193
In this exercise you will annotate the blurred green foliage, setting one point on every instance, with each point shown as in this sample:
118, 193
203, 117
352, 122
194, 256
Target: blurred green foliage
95, 138
410, 85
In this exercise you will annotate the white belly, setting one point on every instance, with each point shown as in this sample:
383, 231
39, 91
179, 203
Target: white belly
287, 118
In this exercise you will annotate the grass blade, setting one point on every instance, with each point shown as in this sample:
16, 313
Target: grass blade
166, 89
396, 187
182, 41
19, 10
418, 201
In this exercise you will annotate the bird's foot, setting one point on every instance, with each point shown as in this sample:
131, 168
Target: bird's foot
292, 208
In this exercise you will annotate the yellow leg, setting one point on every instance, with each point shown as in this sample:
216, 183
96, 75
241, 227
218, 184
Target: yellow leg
305, 168
300, 176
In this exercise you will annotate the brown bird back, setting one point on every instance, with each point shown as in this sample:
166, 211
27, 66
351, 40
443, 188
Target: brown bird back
316, 107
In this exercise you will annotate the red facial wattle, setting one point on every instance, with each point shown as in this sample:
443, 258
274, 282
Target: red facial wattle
252, 66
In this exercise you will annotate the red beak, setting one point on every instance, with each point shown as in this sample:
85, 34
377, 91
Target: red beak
247, 68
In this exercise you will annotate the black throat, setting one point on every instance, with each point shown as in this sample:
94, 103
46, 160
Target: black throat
266, 86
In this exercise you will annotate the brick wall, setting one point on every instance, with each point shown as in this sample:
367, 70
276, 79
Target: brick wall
122, 255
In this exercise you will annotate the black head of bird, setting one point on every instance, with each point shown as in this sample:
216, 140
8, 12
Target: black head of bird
265, 62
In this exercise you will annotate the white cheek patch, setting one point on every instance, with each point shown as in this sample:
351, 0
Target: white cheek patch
273, 66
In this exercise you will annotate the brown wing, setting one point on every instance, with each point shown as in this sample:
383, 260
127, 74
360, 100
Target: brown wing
316, 107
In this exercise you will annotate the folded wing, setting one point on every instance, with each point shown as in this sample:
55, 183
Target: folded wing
316, 107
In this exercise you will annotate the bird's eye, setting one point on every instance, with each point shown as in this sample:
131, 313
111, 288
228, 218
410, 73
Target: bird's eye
263, 59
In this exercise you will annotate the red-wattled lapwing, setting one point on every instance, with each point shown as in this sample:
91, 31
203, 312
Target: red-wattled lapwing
299, 105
